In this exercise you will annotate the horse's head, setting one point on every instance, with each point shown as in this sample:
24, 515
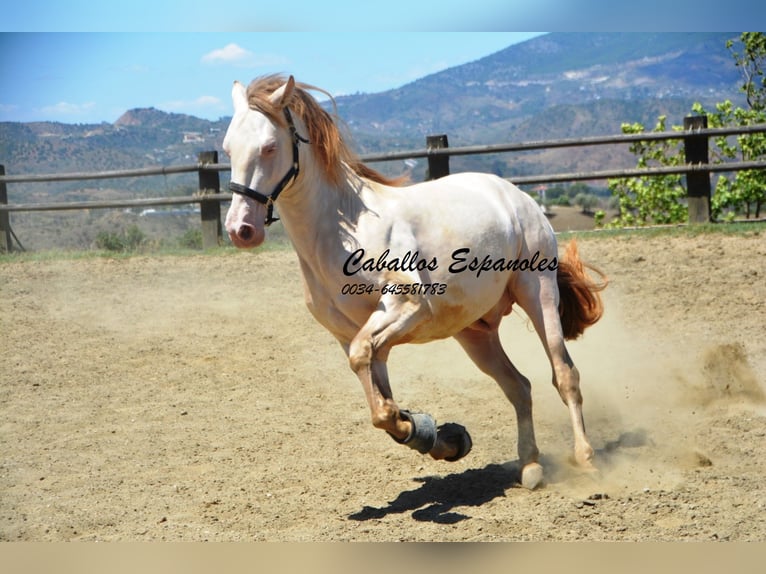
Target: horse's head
262, 146
263, 142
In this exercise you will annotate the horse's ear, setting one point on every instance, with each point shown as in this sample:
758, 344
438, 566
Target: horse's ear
283, 93
239, 96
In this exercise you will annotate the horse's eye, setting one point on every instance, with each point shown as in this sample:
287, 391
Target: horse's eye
269, 149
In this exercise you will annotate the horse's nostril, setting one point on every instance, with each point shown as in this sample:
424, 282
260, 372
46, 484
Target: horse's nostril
245, 232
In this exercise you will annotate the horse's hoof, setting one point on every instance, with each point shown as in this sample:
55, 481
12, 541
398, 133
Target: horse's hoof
584, 465
456, 437
584, 457
531, 475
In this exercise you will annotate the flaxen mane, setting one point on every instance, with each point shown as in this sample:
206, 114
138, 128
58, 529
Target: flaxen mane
330, 149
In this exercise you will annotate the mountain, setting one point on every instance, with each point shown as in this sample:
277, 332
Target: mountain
560, 85
481, 100
556, 85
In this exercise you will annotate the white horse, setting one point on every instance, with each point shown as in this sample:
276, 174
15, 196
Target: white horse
385, 264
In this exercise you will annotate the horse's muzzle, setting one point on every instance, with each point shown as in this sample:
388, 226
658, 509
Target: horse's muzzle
246, 236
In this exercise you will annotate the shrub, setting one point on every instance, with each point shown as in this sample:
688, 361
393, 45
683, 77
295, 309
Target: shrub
191, 239
130, 239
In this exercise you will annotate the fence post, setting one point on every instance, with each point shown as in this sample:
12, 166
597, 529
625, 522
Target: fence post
210, 210
5, 218
698, 182
438, 165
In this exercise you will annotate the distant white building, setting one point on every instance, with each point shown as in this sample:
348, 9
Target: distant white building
193, 137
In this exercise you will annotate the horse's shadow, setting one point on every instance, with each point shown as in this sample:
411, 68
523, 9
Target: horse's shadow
436, 499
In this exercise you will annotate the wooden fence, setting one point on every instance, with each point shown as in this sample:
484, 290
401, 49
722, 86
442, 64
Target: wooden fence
695, 140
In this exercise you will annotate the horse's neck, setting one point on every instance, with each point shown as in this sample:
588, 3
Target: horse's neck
319, 217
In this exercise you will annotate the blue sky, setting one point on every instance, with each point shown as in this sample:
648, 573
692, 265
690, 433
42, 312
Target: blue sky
94, 77
78, 61
382, 16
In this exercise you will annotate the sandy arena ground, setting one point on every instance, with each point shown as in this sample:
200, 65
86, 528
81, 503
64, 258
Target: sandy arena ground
194, 398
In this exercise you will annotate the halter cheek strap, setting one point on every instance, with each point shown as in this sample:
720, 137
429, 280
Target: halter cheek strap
292, 173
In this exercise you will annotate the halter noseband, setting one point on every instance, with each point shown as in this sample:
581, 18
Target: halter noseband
292, 173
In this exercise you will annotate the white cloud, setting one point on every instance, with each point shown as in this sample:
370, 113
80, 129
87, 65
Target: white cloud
238, 56
208, 101
229, 53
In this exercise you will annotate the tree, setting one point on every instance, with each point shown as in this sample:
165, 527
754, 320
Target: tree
661, 199
746, 190
651, 199
586, 202
751, 63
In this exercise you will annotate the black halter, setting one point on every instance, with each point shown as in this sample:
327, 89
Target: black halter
292, 173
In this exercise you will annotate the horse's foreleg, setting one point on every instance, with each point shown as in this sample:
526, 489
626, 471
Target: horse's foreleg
416, 430
368, 352
384, 411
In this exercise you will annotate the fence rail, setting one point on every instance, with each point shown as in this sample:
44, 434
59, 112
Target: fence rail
695, 138
116, 203
559, 143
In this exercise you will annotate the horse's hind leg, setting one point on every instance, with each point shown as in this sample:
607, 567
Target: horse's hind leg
538, 296
485, 349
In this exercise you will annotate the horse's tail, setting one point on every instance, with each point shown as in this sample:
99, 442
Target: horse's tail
580, 303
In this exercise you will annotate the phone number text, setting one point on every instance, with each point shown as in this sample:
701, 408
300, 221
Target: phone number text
394, 289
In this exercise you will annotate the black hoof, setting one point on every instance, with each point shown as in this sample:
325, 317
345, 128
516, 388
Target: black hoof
455, 435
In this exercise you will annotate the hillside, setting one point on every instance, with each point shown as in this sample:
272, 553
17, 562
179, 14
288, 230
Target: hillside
556, 85
482, 99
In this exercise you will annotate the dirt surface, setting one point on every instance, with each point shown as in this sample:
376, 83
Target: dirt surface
194, 398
